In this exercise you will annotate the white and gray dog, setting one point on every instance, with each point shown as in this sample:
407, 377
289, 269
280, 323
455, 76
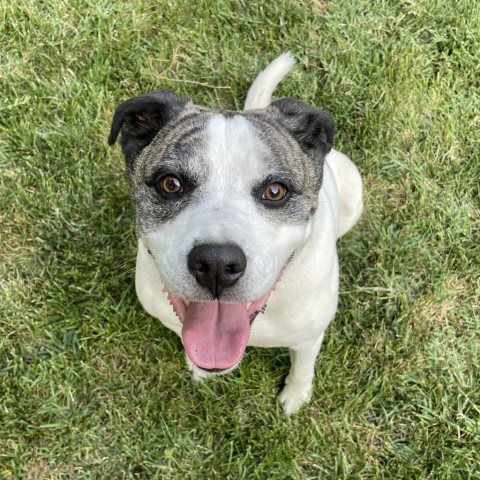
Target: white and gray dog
234, 211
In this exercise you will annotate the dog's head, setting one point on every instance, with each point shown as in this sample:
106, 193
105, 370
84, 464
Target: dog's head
223, 201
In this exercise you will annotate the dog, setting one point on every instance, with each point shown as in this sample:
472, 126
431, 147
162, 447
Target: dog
237, 217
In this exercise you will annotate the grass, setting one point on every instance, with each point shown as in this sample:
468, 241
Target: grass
92, 387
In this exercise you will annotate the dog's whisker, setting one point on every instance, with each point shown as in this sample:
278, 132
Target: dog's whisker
124, 263
142, 265
126, 272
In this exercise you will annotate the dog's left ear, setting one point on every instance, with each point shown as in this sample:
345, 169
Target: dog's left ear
313, 129
140, 118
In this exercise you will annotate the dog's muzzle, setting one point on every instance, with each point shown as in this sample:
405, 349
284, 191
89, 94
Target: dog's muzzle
215, 333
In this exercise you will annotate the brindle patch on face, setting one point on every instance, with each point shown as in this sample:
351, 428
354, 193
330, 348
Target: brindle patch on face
180, 147
291, 166
176, 150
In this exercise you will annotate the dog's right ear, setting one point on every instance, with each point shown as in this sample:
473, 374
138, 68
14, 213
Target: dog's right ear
139, 119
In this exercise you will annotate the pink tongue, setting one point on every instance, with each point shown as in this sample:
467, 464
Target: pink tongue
215, 334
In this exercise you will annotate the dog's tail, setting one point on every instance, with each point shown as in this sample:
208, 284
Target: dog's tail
260, 93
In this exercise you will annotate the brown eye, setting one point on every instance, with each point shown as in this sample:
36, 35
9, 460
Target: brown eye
275, 192
170, 184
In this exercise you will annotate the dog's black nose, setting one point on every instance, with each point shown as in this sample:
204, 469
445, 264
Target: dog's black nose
216, 267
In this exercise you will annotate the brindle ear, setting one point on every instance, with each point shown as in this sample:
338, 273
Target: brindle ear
313, 129
139, 119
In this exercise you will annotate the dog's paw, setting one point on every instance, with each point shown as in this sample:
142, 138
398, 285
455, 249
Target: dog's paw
198, 376
294, 395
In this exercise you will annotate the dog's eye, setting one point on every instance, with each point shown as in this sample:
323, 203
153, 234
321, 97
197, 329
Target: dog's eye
169, 184
275, 192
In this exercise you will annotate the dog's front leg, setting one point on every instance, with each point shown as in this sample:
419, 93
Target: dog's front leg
298, 384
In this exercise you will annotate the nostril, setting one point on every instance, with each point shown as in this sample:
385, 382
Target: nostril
203, 268
199, 266
232, 269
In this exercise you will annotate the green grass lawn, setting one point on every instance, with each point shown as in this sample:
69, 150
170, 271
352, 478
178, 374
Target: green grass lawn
91, 387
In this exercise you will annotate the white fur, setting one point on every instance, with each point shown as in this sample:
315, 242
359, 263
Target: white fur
260, 93
305, 300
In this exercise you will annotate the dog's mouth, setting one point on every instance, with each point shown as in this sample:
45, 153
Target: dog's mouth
215, 334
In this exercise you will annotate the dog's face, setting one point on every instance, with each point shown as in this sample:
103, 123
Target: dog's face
223, 200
